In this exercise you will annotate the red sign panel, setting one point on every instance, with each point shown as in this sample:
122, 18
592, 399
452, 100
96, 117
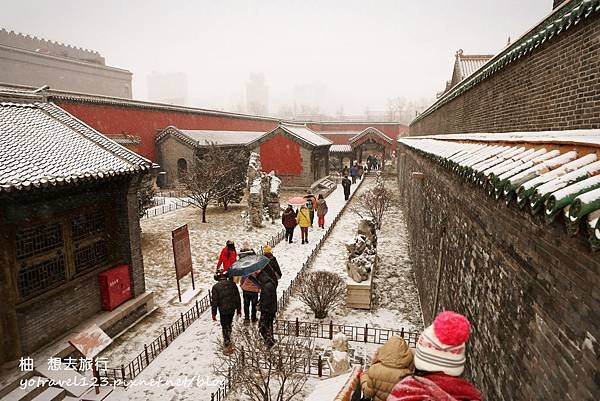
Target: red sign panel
182, 251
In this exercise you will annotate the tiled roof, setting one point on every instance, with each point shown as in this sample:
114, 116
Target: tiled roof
42, 145
535, 171
467, 64
204, 137
350, 133
306, 134
556, 23
125, 139
340, 149
371, 130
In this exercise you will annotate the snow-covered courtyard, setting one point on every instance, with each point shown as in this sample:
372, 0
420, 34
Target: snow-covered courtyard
192, 354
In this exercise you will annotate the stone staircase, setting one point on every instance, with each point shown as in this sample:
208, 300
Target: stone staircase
73, 387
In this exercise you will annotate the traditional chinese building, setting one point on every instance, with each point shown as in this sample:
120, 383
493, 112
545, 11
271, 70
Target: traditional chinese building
297, 154
68, 212
177, 149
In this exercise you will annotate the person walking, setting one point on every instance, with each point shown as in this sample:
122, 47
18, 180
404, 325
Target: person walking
311, 204
304, 222
360, 171
346, 185
250, 289
439, 362
345, 171
225, 299
390, 364
272, 269
288, 219
267, 305
227, 257
353, 172
369, 162
322, 210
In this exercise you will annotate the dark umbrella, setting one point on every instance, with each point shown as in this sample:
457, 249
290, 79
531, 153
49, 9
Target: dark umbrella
248, 265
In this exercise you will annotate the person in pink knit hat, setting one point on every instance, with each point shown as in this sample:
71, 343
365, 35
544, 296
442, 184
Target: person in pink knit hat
439, 361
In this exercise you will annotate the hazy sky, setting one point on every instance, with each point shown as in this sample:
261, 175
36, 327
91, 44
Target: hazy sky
362, 52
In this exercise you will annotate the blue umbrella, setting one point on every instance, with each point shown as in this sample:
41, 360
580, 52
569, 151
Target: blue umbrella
248, 265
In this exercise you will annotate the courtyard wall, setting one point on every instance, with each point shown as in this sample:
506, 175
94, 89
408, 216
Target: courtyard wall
529, 290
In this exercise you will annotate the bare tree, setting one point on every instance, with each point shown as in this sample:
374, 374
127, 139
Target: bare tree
262, 373
322, 291
215, 177
145, 195
375, 203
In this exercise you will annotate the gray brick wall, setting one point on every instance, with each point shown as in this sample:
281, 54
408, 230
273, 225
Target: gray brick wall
169, 151
529, 290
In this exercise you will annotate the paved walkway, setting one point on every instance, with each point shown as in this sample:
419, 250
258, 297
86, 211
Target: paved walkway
187, 364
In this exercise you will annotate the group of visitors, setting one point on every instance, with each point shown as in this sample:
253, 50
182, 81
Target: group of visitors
356, 171
259, 293
432, 373
349, 177
304, 217
373, 163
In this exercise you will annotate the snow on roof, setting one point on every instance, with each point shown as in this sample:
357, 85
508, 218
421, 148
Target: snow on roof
352, 133
518, 167
205, 137
371, 130
585, 137
306, 134
42, 145
467, 64
340, 149
223, 137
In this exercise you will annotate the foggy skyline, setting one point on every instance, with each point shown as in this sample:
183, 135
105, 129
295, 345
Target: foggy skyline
361, 53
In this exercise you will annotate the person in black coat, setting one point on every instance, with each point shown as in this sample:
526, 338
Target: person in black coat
267, 304
346, 184
225, 298
272, 269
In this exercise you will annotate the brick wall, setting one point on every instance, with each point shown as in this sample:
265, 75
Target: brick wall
530, 291
168, 152
555, 87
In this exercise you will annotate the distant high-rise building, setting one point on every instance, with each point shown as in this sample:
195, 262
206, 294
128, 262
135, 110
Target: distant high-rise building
169, 88
27, 60
257, 95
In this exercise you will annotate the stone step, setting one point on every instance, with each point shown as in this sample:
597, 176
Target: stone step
73, 382
28, 393
11, 379
51, 394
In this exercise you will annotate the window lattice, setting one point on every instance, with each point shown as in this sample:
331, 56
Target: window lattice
36, 278
91, 256
88, 224
39, 239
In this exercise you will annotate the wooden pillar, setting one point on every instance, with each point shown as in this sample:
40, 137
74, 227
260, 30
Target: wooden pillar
10, 342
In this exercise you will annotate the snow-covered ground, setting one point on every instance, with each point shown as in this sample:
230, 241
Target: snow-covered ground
396, 303
191, 355
206, 241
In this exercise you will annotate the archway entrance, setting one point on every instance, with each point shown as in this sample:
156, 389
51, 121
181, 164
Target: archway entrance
182, 168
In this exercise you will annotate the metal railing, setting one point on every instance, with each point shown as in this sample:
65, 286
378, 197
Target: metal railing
130, 370
364, 334
127, 372
166, 208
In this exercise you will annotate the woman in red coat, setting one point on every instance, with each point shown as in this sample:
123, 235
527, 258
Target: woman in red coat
228, 256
